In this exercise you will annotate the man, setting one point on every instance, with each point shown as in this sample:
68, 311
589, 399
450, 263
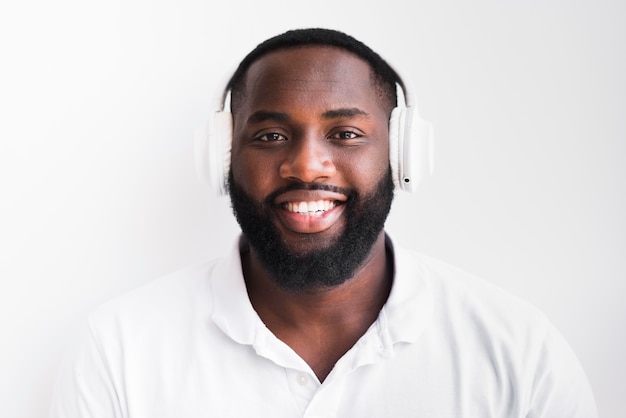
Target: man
317, 312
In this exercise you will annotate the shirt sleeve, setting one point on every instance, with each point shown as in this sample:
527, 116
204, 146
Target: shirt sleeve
84, 387
560, 386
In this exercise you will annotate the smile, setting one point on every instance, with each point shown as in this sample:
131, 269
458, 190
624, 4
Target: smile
314, 208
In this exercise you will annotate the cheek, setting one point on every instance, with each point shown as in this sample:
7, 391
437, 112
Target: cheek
367, 164
253, 176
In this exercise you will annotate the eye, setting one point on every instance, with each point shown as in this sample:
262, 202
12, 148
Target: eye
345, 135
271, 137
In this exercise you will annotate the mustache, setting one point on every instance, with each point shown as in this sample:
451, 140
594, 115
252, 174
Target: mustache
349, 193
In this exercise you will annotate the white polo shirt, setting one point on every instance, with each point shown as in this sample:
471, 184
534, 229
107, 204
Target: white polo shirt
445, 344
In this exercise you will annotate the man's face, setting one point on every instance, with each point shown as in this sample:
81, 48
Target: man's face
310, 182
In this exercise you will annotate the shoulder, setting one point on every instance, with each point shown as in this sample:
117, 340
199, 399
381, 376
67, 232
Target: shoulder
477, 316
173, 297
493, 334
459, 292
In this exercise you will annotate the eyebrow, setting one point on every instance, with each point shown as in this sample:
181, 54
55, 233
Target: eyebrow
344, 113
264, 115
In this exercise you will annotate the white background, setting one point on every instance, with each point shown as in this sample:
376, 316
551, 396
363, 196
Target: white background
98, 193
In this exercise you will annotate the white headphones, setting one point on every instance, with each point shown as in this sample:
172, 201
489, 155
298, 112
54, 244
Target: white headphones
410, 145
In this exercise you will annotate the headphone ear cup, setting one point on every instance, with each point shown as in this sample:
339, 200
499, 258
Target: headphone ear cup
416, 150
396, 125
212, 151
220, 141
410, 148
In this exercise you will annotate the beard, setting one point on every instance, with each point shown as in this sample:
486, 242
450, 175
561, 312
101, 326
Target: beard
327, 266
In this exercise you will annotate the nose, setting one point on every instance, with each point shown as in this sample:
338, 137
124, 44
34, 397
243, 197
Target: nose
309, 160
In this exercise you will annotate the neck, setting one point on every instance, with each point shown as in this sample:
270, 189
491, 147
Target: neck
322, 324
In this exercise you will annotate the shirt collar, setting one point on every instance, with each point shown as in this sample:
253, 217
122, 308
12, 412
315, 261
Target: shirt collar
409, 307
402, 319
233, 312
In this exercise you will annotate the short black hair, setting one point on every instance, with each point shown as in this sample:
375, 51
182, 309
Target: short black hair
383, 76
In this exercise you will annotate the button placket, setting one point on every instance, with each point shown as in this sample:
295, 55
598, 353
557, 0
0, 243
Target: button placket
303, 387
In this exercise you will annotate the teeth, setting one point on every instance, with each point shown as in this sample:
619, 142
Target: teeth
315, 208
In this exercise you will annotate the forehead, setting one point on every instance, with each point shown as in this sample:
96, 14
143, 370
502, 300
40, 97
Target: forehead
309, 73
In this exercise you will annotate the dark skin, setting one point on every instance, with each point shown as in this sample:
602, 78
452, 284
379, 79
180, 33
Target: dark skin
311, 115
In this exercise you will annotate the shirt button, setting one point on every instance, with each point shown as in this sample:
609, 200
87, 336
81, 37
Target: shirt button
302, 379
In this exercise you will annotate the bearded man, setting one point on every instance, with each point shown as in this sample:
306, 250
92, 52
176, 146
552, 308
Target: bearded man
317, 312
